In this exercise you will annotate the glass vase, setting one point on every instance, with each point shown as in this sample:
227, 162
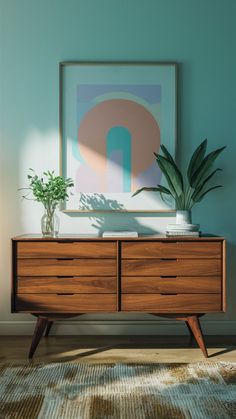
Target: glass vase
50, 223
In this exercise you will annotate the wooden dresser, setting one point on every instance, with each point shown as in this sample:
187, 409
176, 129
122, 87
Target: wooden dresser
182, 278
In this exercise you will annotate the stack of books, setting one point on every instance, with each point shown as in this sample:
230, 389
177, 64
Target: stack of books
120, 234
190, 230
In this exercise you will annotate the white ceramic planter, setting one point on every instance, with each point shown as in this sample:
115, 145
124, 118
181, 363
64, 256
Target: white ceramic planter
183, 217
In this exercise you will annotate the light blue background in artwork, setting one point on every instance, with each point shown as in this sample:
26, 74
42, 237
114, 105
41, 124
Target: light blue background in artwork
151, 93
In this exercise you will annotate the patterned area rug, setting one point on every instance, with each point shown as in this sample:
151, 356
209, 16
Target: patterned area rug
120, 391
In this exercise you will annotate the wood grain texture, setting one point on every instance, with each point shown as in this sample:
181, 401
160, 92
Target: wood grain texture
179, 267
178, 249
180, 303
77, 285
13, 273
180, 285
75, 303
65, 250
63, 267
118, 275
224, 275
46, 268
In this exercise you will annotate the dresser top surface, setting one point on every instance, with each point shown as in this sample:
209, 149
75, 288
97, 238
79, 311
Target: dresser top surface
93, 237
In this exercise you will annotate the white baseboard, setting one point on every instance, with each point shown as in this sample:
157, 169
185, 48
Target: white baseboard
111, 327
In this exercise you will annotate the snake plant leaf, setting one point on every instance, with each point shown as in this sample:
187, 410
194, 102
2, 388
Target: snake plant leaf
200, 195
171, 160
205, 167
146, 189
173, 176
196, 160
163, 189
211, 175
168, 155
201, 186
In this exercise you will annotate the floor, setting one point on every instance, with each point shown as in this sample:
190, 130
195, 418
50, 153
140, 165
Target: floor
114, 349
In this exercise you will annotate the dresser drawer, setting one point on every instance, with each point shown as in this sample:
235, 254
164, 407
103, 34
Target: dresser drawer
76, 285
74, 303
180, 285
65, 267
182, 250
173, 267
65, 250
179, 303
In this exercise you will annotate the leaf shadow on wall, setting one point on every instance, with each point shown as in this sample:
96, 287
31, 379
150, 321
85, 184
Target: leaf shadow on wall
114, 216
98, 201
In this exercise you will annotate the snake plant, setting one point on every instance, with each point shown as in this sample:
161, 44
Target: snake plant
188, 190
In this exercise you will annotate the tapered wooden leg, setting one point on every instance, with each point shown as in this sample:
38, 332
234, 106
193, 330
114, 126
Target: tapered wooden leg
38, 333
48, 328
190, 332
194, 325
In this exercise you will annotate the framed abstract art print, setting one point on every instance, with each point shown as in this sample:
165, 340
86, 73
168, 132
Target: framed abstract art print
113, 117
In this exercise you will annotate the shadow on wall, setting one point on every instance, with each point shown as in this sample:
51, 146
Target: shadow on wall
99, 202
112, 220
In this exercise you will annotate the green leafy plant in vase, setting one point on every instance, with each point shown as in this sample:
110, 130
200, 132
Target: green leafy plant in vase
50, 191
190, 188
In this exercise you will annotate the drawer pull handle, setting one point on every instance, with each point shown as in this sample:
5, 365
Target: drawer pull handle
172, 241
168, 259
62, 259
65, 293
168, 276
65, 276
64, 241
168, 293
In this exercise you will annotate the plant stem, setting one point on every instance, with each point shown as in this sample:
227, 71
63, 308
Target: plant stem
49, 218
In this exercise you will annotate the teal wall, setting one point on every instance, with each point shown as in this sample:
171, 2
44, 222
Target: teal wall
36, 35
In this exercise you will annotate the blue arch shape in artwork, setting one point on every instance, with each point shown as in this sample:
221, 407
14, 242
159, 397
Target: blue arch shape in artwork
118, 141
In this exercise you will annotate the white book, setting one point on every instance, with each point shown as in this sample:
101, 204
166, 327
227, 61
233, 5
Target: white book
183, 233
120, 234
